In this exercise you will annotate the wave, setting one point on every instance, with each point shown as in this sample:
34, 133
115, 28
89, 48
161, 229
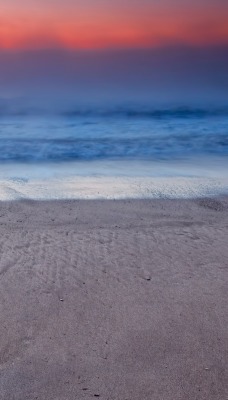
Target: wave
169, 134
131, 112
54, 150
179, 112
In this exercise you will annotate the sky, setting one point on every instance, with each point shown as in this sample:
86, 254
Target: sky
91, 24
147, 48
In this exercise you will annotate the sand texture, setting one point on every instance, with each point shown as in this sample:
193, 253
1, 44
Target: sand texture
117, 300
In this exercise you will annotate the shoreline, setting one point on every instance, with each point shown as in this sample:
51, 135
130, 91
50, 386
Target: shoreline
101, 187
114, 299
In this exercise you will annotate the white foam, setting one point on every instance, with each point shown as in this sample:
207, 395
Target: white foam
111, 188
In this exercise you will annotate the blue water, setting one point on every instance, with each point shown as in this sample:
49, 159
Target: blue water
118, 134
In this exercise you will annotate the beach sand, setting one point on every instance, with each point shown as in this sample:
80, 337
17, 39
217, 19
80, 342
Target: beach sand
117, 300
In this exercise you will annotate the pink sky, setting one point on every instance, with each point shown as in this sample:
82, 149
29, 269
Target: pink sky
111, 24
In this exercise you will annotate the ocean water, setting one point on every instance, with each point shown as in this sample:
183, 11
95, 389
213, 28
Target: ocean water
119, 134
120, 142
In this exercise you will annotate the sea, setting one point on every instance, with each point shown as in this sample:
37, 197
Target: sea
114, 152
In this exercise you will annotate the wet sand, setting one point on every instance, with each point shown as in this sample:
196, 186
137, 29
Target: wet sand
117, 300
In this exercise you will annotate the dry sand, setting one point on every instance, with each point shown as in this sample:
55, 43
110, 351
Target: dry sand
117, 300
